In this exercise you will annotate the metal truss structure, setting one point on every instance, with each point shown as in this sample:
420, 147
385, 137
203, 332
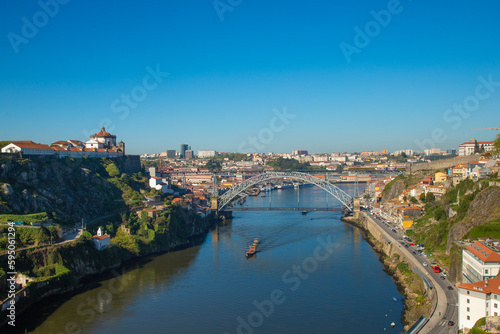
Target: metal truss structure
335, 191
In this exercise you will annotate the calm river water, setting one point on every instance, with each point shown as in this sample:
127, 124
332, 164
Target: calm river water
312, 274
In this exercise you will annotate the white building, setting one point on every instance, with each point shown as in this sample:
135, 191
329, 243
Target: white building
206, 154
27, 147
160, 184
470, 147
101, 240
478, 300
480, 261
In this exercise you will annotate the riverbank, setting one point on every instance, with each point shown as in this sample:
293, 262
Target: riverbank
75, 265
417, 302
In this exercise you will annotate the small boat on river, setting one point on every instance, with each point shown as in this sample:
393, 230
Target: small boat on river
251, 251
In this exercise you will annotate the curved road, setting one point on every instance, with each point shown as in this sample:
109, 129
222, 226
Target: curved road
447, 300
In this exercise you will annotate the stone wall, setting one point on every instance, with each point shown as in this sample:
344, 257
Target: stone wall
132, 164
440, 164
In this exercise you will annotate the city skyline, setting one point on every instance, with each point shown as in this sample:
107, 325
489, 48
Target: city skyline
256, 76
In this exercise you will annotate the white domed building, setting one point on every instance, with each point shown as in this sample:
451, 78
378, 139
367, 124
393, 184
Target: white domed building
104, 140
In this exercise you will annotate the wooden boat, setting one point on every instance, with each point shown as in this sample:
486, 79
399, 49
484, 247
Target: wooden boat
251, 251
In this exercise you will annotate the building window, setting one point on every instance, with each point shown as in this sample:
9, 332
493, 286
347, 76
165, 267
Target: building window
468, 292
495, 305
495, 296
468, 317
486, 271
468, 301
468, 309
496, 314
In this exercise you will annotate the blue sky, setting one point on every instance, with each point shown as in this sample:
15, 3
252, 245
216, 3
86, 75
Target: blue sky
227, 79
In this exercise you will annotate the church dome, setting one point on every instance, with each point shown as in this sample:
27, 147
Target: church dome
103, 133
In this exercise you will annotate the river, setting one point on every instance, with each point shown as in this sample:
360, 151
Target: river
312, 274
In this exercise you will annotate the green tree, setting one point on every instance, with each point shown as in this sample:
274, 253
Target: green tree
213, 165
112, 170
413, 200
430, 197
422, 197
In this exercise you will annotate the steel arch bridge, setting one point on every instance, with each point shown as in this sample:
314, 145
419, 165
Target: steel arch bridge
333, 190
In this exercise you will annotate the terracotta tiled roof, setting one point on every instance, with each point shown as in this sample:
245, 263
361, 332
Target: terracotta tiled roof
103, 133
101, 237
30, 144
483, 252
493, 286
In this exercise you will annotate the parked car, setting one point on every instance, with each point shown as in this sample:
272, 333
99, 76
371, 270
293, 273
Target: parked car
424, 264
451, 323
450, 287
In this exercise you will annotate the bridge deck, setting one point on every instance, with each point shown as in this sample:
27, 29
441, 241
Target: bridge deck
282, 209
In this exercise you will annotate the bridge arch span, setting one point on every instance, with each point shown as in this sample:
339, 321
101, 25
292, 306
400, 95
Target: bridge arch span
333, 190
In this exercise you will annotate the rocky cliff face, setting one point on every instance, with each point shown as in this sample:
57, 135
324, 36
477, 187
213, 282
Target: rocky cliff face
393, 191
483, 209
72, 190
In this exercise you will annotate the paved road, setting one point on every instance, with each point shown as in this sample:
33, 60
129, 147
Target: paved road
446, 308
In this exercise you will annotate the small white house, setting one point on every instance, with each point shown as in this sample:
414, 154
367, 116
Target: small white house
101, 240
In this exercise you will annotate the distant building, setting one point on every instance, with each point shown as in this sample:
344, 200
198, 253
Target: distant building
440, 177
206, 153
300, 152
171, 154
188, 154
473, 146
432, 151
101, 240
184, 148
480, 261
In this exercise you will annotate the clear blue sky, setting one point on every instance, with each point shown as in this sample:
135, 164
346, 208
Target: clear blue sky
225, 77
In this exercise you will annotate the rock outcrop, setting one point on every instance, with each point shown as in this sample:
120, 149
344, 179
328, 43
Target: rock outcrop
483, 209
64, 189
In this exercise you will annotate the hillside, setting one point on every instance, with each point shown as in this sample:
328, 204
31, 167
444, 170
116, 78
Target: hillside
470, 208
66, 190
484, 209
399, 184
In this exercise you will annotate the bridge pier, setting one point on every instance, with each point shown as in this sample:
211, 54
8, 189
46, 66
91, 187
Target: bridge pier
225, 215
356, 208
